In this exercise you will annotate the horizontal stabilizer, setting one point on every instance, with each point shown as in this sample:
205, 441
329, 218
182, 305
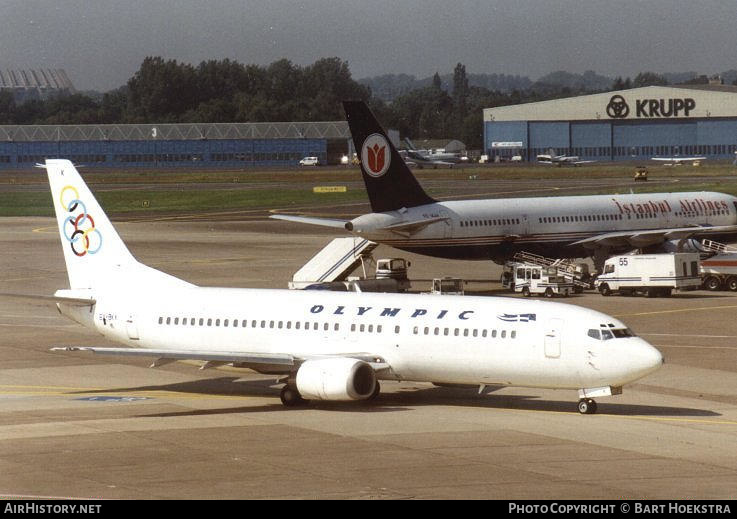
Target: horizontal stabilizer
73, 301
325, 222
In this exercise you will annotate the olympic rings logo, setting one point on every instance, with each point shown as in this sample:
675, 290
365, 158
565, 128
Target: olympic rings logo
79, 228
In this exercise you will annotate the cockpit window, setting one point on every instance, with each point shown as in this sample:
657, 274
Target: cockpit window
604, 334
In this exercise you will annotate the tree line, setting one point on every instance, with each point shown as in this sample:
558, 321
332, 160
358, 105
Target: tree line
220, 91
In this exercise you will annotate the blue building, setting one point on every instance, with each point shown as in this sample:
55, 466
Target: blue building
634, 124
235, 145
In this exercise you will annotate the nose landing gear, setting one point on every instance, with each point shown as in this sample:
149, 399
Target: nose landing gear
586, 406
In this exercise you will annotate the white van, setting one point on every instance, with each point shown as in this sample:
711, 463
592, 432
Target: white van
309, 161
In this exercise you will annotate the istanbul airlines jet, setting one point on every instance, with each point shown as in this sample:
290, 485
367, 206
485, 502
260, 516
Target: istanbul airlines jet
405, 217
330, 345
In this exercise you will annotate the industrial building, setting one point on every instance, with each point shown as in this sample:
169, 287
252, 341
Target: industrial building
29, 84
229, 145
634, 124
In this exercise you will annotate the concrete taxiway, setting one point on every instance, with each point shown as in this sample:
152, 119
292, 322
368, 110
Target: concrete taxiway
75, 425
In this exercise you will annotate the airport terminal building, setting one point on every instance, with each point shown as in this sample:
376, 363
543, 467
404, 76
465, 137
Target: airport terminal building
227, 145
634, 124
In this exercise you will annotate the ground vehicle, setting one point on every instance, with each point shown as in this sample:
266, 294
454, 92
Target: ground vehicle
309, 161
720, 272
394, 268
447, 286
535, 279
651, 274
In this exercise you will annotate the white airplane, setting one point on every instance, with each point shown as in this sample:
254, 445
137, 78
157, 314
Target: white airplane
406, 218
421, 158
677, 161
561, 160
330, 345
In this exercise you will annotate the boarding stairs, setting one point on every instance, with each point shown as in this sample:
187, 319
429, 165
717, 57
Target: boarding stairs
334, 262
714, 247
565, 267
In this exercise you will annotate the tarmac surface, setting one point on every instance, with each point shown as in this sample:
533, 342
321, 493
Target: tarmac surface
76, 425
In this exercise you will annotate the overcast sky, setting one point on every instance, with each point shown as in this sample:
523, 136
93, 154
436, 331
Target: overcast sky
101, 43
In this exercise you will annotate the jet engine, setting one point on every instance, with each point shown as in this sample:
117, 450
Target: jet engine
685, 245
336, 379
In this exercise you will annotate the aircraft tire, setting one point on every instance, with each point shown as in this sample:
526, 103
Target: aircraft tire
586, 406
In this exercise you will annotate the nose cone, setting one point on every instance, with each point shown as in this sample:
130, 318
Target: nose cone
645, 359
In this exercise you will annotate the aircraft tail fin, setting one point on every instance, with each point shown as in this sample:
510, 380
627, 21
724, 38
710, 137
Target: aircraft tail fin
94, 253
389, 182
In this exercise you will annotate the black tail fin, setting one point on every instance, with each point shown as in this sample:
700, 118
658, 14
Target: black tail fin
389, 182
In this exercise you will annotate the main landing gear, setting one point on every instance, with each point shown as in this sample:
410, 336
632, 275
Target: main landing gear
586, 406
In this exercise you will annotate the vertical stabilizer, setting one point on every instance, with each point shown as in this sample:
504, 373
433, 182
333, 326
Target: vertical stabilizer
92, 247
389, 182
95, 255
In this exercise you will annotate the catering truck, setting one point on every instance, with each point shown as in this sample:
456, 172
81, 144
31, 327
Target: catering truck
650, 274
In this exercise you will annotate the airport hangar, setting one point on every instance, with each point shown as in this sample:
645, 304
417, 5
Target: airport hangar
634, 124
226, 145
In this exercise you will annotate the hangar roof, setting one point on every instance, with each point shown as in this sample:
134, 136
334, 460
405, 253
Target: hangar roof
152, 132
645, 103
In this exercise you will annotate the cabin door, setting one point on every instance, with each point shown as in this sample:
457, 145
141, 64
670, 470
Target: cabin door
131, 328
553, 331
447, 224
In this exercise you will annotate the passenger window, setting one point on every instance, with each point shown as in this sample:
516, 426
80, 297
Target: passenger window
353, 327
202, 321
427, 330
326, 326
414, 330
176, 320
504, 334
378, 328
396, 329
161, 320
225, 322
446, 331
314, 326
513, 334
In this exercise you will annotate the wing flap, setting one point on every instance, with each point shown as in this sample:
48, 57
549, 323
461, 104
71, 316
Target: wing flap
214, 358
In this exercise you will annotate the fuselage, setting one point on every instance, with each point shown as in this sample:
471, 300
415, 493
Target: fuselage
444, 339
498, 228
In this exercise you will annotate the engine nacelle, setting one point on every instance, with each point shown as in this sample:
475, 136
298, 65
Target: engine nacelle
685, 245
336, 379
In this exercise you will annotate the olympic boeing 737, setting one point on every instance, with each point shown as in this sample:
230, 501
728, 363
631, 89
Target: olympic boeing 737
406, 218
330, 345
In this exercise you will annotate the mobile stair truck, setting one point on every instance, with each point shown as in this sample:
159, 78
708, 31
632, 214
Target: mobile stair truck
651, 274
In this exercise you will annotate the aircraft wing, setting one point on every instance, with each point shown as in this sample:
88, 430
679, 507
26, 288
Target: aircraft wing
214, 358
651, 237
325, 222
678, 159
